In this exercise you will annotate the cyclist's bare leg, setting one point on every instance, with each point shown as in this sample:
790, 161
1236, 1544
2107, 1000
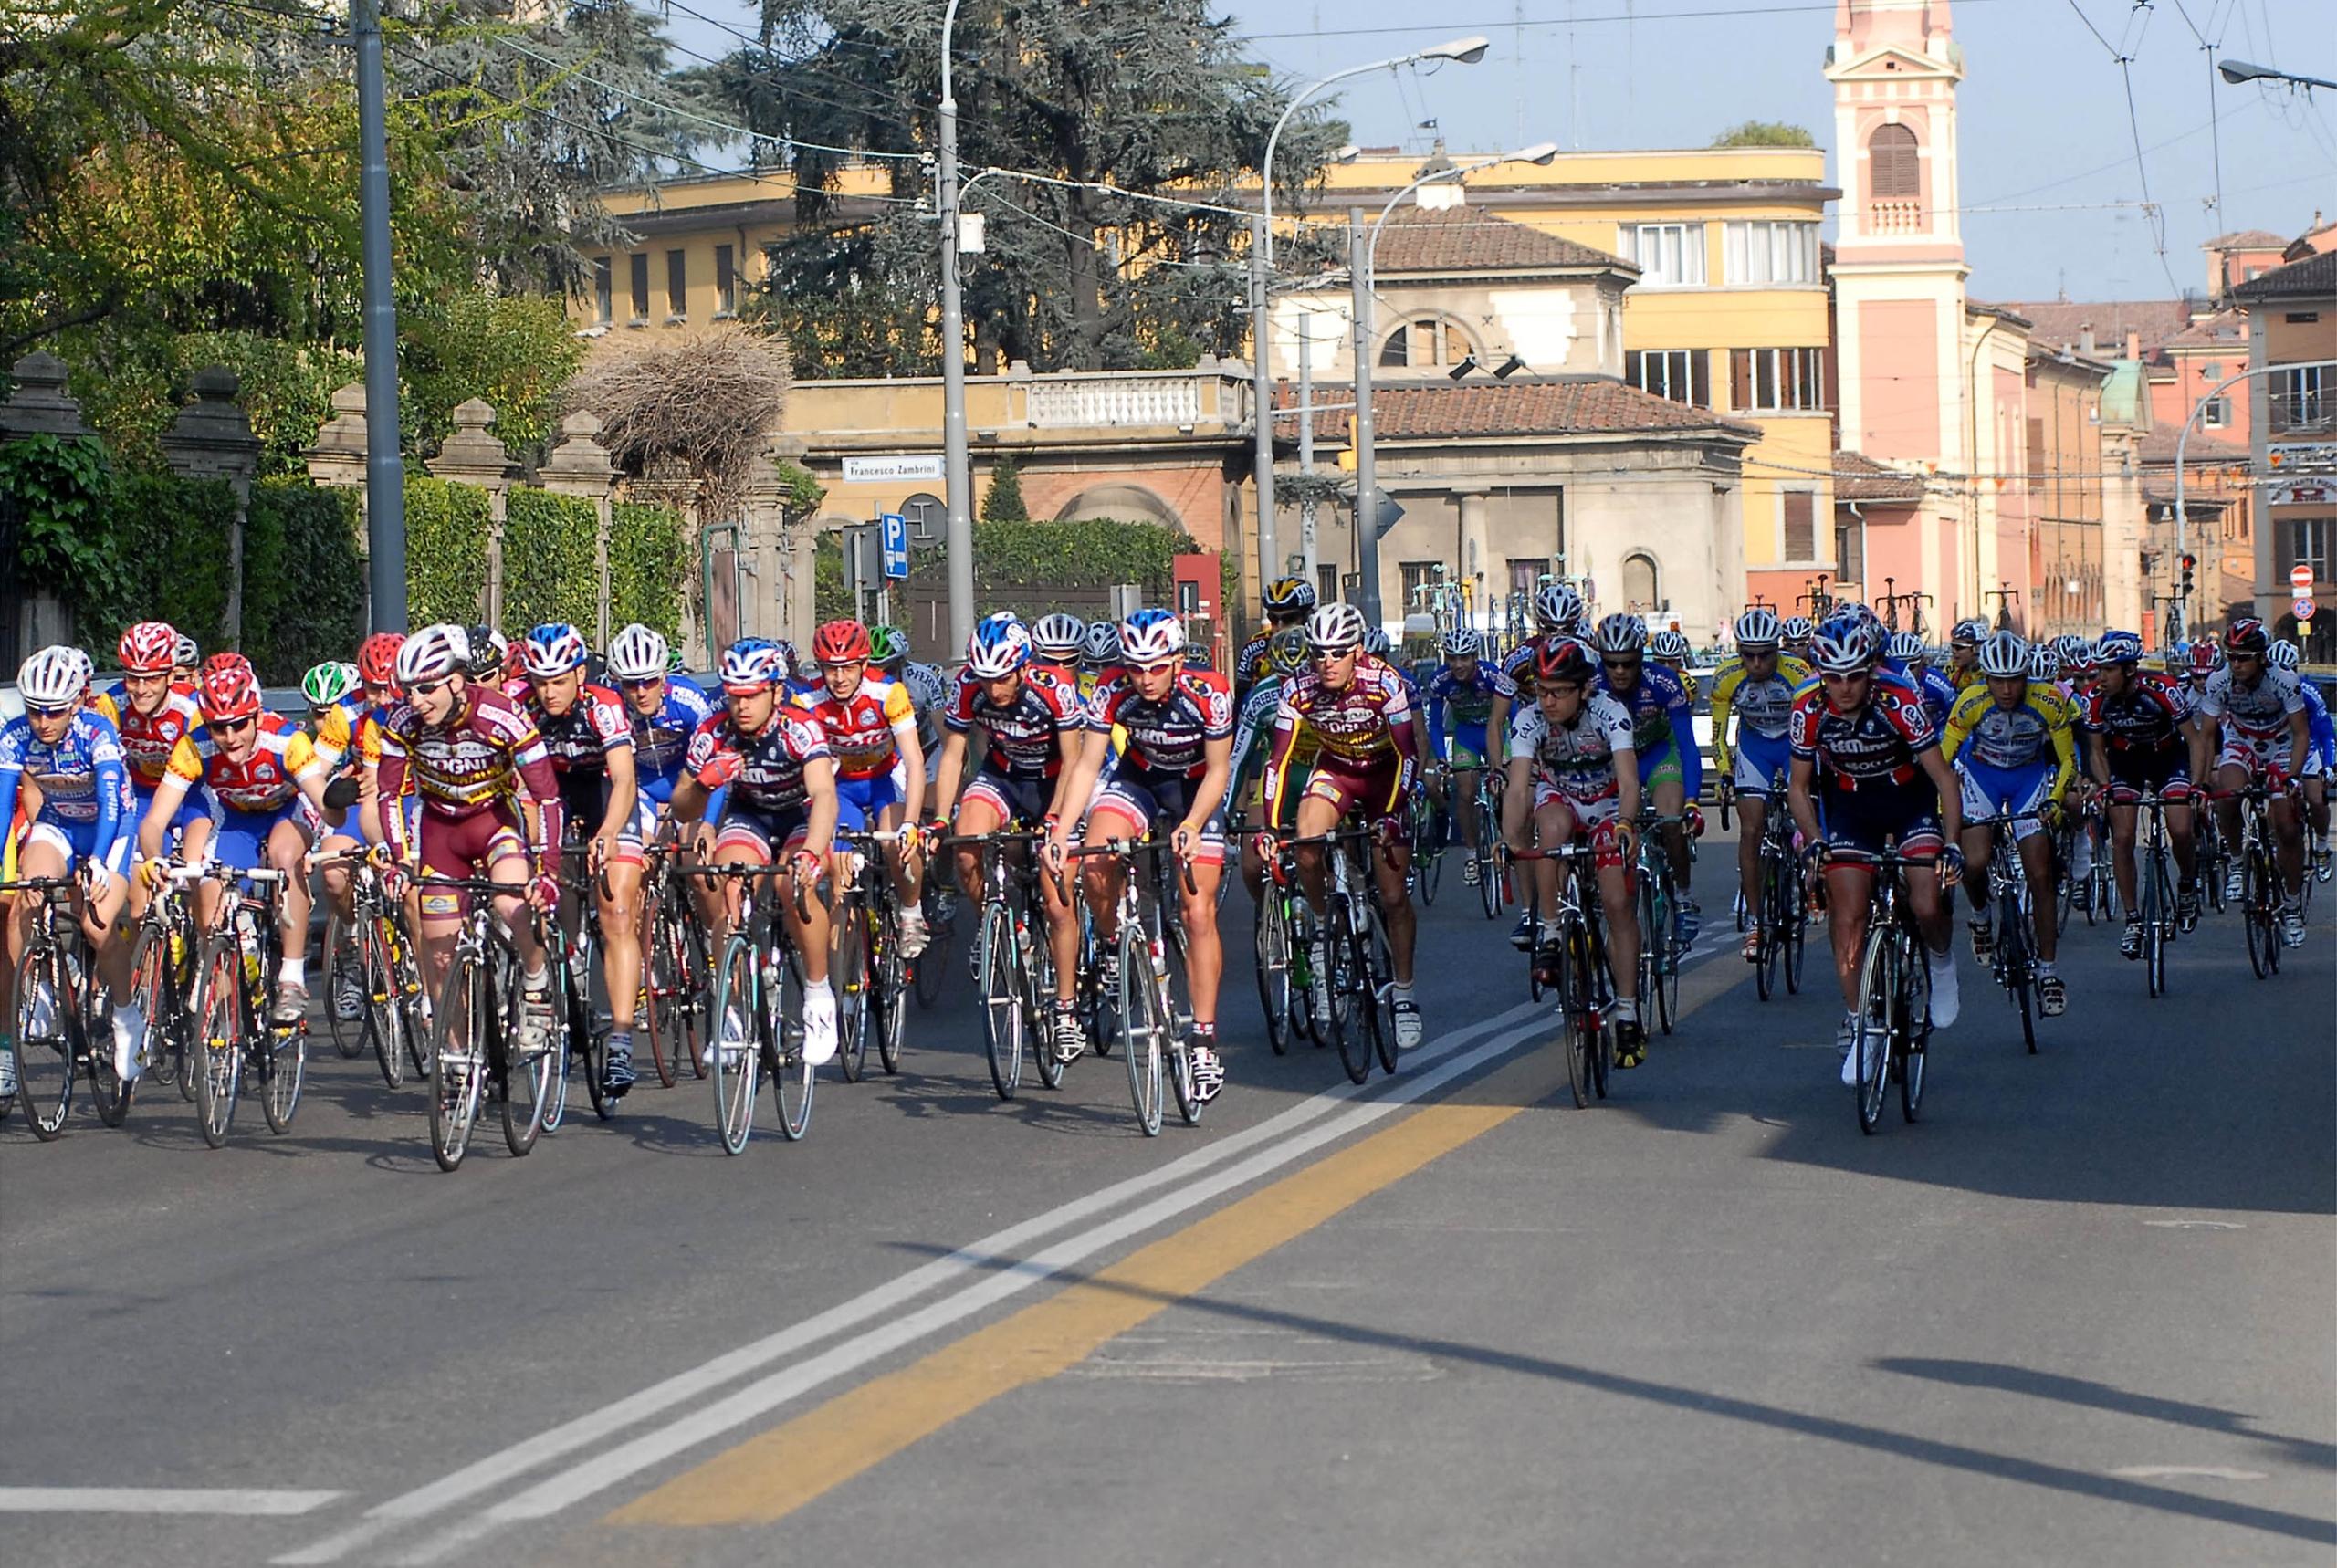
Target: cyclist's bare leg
2122, 818
1848, 883
811, 931
1253, 864
2182, 832
1388, 866
621, 941
1063, 931
1752, 818
1978, 843
1553, 829
2037, 860
975, 819
2230, 779
2288, 842
287, 846
1670, 799
1204, 949
511, 908
1622, 931
1315, 817
1933, 914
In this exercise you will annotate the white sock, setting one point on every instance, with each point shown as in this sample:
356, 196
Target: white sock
538, 980
1403, 990
292, 972
2044, 967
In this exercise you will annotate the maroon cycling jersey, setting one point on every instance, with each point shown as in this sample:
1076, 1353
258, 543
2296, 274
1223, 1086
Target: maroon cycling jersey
1025, 736
2150, 715
1364, 725
764, 770
486, 752
579, 741
1169, 738
1875, 745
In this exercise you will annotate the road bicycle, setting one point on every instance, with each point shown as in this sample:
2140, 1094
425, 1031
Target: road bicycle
1492, 886
2260, 898
2154, 895
1893, 1010
477, 1043
758, 1016
1781, 918
393, 1023
161, 978
1660, 948
1572, 957
59, 1014
1283, 937
1359, 969
1430, 827
574, 959
675, 968
1155, 1008
235, 1033
2012, 956
1014, 965
929, 968
870, 974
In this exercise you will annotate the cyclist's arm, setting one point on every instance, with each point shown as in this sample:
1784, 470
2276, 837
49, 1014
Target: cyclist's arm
821, 807
1517, 802
1280, 749
2202, 751
1627, 783
2064, 754
113, 780
1683, 729
1433, 700
909, 750
1723, 698
180, 773
1083, 753
1950, 793
1797, 796
1960, 720
953, 765
1217, 774
1496, 725
625, 790
2097, 757
2300, 740
309, 774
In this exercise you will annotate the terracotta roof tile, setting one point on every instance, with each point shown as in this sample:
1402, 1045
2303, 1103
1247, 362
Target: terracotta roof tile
2225, 329
1574, 405
2313, 277
1857, 477
2247, 239
1466, 239
2158, 446
2062, 323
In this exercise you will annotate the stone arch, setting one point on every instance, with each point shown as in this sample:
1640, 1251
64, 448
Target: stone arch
1120, 503
1428, 339
1642, 583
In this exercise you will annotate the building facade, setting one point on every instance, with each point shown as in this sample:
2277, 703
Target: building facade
2294, 344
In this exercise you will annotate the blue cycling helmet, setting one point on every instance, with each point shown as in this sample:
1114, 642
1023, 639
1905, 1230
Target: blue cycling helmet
2119, 648
751, 664
554, 649
1000, 647
1841, 646
1151, 635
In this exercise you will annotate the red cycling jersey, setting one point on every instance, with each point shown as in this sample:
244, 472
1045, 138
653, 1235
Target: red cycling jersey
147, 740
864, 729
281, 757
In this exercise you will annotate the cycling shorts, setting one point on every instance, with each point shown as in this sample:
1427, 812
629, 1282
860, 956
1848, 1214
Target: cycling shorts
77, 842
1150, 802
861, 803
2254, 754
1606, 810
465, 846
1660, 764
196, 806
1860, 823
2131, 772
1759, 758
240, 838
768, 834
1606, 839
1371, 792
1022, 802
1469, 746
1988, 791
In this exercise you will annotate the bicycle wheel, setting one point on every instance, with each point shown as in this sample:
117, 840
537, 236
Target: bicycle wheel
1271, 942
1379, 965
1796, 928
1002, 1021
1144, 1021
1769, 932
341, 950
458, 1044
1038, 973
386, 1014
588, 1047
2019, 969
1351, 1008
933, 965
1427, 853
1489, 871
43, 1040
283, 1068
890, 996
563, 1064
736, 1051
1650, 910
1912, 1046
150, 993
848, 977
1178, 992
782, 1054
523, 1081
1666, 987
219, 1038
1878, 1001
1577, 1033
2154, 895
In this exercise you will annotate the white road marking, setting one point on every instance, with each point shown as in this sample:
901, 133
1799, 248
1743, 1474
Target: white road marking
240, 1500
2186, 1472
1005, 1277
880, 1304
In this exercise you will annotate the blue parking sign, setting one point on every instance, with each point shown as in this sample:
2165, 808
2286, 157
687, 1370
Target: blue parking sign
893, 541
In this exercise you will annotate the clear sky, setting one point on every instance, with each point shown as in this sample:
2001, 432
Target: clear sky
2044, 107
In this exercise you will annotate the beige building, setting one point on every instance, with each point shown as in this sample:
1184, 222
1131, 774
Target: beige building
2293, 417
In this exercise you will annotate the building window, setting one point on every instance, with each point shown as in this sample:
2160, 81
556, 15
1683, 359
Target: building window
1526, 576
1775, 380
1426, 344
603, 290
1639, 583
2211, 372
1684, 375
2304, 398
1327, 583
1894, 168
1670, 256
640, 280
726, 282
677, 286
1769, 253
2309, 543
1797, 512
2216, 412
1849, 552
1419, 576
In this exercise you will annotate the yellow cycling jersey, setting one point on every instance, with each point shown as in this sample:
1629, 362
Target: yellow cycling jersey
1763, 707
2042, 725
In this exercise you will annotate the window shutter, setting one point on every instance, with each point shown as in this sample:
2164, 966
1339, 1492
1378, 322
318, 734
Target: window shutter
1801, 525
1893, 171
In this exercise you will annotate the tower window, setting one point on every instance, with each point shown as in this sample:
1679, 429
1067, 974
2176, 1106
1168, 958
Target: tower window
1893, 170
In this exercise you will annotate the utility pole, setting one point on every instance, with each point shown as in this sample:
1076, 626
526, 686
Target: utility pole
1367, 482
1306, 440
384, 468
1262, 394
957, 479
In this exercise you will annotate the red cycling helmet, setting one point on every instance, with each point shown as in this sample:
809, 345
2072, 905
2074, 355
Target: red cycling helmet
1565, 659
2246, 635
227, 689
2205, 658
841, 643
377, 658
147, 648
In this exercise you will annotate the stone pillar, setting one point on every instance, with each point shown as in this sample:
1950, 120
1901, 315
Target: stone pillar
1473, 563
2125, 529
472, 456
40, 406
777, 544
581, 465
212, 439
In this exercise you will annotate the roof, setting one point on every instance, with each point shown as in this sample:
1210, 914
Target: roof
2224, 329
2314, 278
1556, 405
1466, 239
2062, 323
2158, 446
1857, 477
2247, 239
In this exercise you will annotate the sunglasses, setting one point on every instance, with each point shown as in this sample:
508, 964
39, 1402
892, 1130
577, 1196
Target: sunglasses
48, 712
643, 683
233, 725
1619, 663
426, 688
1831, 679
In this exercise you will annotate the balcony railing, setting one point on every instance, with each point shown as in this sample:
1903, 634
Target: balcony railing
1901, 215
2304, 413
1115, 400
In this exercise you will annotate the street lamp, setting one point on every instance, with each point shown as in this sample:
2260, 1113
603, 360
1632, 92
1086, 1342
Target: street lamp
2238, 71
957, 475
1465, 51
1362, 250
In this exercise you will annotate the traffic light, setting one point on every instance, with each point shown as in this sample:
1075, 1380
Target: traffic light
2189, 564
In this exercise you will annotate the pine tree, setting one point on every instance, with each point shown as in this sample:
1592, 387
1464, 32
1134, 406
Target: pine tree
1002, 502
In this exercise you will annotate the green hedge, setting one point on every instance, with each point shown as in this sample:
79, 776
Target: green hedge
445, 550
1010, 556
548, 572
168, 539
649, 567
304, 581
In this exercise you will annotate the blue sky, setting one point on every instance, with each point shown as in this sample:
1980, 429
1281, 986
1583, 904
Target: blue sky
2044, 119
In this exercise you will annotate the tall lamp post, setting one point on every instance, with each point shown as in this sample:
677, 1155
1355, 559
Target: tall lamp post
2238, 71
957, 476
384, 467
1465, 51
1363, 250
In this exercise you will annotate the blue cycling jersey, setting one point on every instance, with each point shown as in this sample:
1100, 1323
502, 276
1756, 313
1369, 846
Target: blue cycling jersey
1469, 703
1662, 710
662, 740
84, 781
2317, 720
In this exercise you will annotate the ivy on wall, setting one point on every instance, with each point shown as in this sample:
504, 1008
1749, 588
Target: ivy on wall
445, 550
549, 571
304, 581
648, 568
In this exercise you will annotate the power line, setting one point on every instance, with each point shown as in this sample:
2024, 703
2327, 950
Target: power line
1626, 18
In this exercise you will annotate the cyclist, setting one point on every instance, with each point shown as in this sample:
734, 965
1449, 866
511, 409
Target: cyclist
871, 730
1170, 777
1254, 730
72, 756
269, 786
1378, 645
1757, 688
1032, 727
1352, 709
1964, 653
589, 737
2136, 724
335, 692
1468, 701
2011, 741
1287, 601
1865, 751
2265, 735
1558, 613
665, 710
2323, 763
1669, 651
1055, 643
1663, 727
1570, 770
929, 688
186, 662
151, 714
1098, 655
1906, 650
1793, 635
487, 803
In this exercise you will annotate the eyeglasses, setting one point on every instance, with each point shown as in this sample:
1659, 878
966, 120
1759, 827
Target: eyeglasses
1832, 679
642, 683
48, 712
1632, 663
426, 688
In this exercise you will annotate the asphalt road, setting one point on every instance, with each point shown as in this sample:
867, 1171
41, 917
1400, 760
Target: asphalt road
2080, 1313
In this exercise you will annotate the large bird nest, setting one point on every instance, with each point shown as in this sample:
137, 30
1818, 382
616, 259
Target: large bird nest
709, 401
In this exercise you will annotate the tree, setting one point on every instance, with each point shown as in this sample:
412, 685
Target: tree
1002, 502
1764, 134
1146, 95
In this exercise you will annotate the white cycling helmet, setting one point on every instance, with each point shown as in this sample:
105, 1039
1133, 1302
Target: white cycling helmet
1375, 643
1669, 645
1795, 629
1757, 628
2004, 656
637, 653
1621, 633
1906, 647
1150, 636
433, 654
554, 649
1557, 608
1101, 643
1058, 637
1462, 643
1335, 628
1000, 647
2283, 655
2044, 662
52, 678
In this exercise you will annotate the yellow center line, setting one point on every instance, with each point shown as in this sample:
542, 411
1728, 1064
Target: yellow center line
771, 1475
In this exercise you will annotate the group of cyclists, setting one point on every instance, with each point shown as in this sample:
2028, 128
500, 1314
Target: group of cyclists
557, 773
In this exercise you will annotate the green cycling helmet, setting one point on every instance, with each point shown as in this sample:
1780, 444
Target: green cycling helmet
675, 662
329, 682
888, 646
